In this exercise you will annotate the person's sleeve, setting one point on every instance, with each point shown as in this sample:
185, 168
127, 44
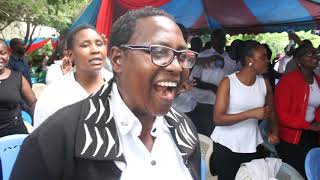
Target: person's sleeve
30, 163
41, 112
318, 114
283, 102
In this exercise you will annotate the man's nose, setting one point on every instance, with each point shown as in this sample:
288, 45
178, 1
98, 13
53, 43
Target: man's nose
175, 65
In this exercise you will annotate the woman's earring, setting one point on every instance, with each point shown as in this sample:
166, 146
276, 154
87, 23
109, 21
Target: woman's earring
250, 64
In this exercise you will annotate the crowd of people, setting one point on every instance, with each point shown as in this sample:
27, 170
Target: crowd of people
138, 117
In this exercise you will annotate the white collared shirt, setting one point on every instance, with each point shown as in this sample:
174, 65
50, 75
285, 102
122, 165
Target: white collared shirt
60, 94
230, 65
163, 162
212, 75
314, 101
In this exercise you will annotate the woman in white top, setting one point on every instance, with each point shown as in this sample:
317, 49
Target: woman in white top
242, 99
87, 50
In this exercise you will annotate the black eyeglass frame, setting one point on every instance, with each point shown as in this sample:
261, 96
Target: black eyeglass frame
176, 53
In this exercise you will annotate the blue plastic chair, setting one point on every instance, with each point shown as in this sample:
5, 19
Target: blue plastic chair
312, 164
203, 169
26, 117
9, 149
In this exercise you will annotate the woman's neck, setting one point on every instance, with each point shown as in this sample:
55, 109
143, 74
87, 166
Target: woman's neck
90, 82
4, 73
247, 76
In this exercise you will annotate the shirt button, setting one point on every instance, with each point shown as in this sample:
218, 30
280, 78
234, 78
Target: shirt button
153, 162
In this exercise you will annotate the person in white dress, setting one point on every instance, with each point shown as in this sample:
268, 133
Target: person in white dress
242, 99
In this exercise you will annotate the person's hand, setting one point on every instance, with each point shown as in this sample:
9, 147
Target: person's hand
315, 126
188, 85
196, 78
293, 36
260, 113
273, 138
66, 65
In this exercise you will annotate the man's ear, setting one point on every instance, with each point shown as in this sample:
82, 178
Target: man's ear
116, 59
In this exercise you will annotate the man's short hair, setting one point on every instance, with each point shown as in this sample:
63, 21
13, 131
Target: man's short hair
124, 27
14, 42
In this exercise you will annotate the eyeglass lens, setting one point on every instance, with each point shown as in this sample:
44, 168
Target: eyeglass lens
163, 56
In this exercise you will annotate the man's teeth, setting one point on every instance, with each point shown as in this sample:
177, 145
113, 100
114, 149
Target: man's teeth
167, 84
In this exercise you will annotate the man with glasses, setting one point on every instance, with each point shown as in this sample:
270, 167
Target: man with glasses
127, 130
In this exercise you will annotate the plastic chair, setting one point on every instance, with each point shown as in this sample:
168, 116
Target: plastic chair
203, 169
9, 149
26, 117
312, 164
206, 145
28, 126
264, 126
287, 172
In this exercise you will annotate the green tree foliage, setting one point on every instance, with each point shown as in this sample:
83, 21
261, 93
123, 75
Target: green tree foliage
53, 13
276, 41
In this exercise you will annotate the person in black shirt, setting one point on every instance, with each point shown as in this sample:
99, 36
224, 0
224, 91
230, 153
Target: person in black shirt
13, 87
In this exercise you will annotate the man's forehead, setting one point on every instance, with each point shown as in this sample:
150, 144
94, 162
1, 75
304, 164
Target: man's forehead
158, 28
154, 22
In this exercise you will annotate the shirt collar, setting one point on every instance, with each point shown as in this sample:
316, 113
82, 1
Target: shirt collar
127, 122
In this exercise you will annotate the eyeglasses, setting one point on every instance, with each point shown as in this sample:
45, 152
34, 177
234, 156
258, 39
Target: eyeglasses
163, 55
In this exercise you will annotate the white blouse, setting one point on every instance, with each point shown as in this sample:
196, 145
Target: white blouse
60, 94
314, 101
244, 136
